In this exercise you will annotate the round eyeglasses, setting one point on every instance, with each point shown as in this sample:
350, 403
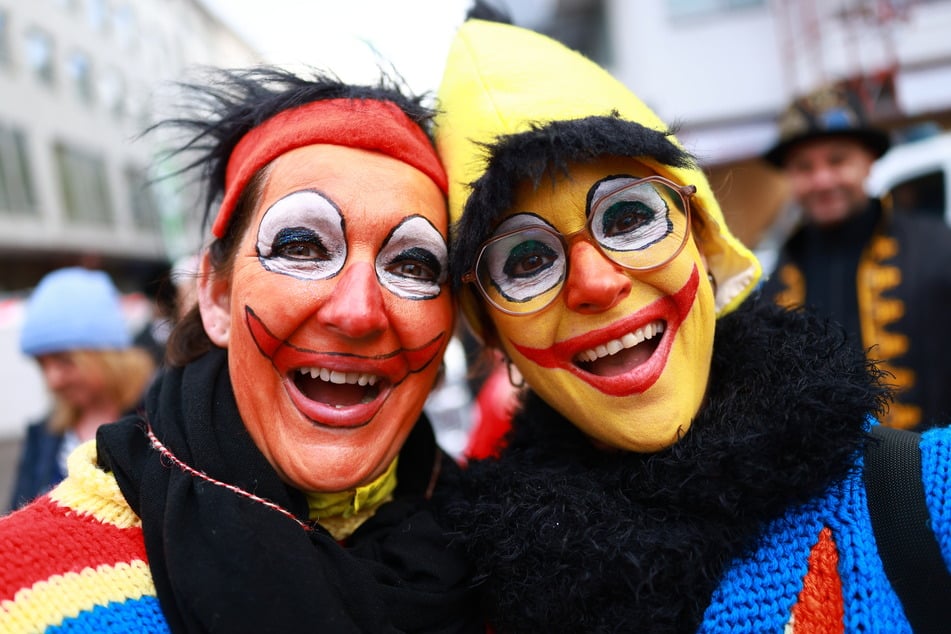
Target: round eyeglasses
640, 225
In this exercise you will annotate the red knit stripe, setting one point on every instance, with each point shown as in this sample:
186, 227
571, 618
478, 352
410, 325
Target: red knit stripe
46, 539
821, 608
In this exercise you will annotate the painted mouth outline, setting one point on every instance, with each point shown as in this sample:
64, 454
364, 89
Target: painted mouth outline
672, 310
392, 368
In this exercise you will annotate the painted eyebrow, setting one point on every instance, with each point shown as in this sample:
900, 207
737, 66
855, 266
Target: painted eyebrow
594, 188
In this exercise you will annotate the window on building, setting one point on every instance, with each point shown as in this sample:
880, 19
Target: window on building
138, 106
694, 8
66, 5
17, 195
581, 26
125, 26
111, 91
39, 54
79, 69
97, 14
5, 57
142, 201
84, 185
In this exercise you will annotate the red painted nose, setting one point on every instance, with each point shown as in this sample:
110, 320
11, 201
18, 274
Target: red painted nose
355, 307
594, 283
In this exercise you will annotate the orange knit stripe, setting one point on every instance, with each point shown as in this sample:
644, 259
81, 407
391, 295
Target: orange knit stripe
821, 607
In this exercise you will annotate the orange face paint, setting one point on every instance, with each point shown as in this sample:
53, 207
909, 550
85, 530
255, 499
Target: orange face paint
338, 313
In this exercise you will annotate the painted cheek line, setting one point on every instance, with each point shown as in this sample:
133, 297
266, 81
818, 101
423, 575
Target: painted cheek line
395, 365
673, 308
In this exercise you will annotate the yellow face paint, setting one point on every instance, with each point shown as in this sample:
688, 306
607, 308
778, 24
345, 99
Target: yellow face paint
484, 97
624, 355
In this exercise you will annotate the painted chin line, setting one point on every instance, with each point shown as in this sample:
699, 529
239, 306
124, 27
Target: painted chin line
672, 310
390, 370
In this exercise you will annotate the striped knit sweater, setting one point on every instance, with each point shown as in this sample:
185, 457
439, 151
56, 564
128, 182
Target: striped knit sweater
74, 560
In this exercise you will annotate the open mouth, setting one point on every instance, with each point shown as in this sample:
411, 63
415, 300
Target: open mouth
340, 389
621, 355
337, 389
628, 356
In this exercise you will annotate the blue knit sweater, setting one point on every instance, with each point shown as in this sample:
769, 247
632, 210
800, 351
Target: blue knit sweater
759, 591
756, 520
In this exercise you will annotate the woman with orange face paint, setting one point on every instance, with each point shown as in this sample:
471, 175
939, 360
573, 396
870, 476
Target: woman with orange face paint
282, 475
686, 456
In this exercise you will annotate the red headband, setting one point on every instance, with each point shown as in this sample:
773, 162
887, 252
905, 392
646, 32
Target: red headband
366, 124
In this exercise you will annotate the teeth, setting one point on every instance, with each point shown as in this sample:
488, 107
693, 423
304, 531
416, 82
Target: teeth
340, 378
629, 340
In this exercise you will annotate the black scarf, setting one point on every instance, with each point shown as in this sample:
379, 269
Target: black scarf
225, 563
571, 539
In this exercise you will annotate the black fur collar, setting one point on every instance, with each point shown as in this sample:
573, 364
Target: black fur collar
571, 539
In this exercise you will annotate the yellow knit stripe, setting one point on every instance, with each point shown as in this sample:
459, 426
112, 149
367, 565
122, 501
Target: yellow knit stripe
48, 603
90, 490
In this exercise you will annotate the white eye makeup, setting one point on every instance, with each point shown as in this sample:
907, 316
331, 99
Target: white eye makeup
302, 235
414, 260
630, 214
526, 260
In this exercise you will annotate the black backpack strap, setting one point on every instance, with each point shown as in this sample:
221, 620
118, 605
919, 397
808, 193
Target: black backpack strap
901, 523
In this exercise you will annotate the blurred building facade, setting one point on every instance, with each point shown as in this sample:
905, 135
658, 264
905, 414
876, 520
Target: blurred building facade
724, 69
81, 80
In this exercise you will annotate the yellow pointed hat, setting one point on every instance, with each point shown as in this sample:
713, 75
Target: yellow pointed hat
503, 80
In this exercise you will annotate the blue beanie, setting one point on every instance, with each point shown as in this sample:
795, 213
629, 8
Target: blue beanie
74, 309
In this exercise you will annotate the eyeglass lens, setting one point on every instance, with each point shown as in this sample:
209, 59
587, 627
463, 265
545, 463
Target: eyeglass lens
639, 226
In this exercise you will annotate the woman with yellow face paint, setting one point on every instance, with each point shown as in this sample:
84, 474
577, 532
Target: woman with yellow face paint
281, 475
686, 456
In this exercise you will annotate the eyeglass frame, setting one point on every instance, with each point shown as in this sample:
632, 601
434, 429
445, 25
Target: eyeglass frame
686, 192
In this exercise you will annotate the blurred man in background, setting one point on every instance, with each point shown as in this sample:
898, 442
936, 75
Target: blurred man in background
883, 273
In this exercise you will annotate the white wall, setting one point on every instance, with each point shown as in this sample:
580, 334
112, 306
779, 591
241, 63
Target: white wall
722, 66
725, 76
23, 396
